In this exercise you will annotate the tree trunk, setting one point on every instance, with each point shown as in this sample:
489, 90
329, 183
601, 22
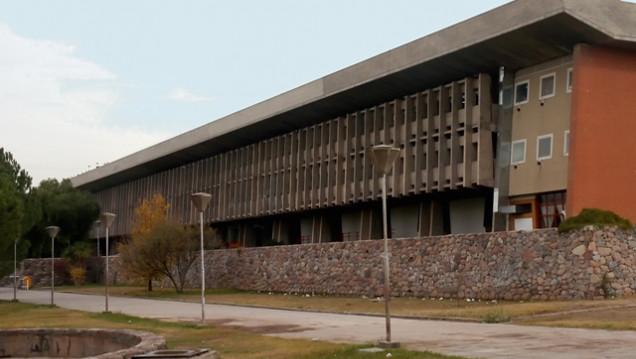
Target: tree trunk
149, 288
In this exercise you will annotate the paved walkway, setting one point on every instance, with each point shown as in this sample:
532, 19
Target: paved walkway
473, 340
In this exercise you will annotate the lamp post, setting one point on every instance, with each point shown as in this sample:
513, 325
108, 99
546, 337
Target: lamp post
98, 223
201, 201
382, 157
52, 231
15, 269
106, 220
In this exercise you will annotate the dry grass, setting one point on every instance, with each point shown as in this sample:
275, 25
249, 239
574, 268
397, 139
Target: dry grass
613, 319
581, 313
230, 343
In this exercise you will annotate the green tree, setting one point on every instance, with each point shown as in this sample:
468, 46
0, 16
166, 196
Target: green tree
11, 213
17, 209
69, 208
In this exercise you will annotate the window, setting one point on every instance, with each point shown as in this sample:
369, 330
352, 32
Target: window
518, 154
544, 147
552, 209
568, 84
547, 86
566, 143
521, 92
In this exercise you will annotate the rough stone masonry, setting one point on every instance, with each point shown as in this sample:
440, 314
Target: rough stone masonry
521, 265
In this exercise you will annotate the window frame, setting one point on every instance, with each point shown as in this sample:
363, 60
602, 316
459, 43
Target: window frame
512, 151
527, 83
542, 137
553, 92
568, 81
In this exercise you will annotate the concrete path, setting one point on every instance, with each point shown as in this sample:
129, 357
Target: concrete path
473, 340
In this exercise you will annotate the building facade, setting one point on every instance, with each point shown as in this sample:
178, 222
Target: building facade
513, 119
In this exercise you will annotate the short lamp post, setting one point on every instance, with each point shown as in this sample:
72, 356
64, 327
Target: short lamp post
106, 220
52, 232
201, 201
382, 157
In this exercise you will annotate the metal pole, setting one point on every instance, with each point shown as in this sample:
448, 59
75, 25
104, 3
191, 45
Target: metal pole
15, 270
202, 273
107, 275
52, 269
387, 292
52, 232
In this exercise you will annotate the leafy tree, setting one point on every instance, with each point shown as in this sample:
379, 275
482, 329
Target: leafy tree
170, 249
148, 215
11, 213
160, 248
17, 209
69, 208
11, 168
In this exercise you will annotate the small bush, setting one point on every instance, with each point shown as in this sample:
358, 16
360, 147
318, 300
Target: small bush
606, 287
62, 272
497, 316
595, 217
78, 275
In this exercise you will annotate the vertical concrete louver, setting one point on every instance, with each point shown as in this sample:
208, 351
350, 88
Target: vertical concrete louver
445, 134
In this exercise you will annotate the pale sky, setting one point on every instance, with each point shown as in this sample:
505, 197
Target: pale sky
86, 82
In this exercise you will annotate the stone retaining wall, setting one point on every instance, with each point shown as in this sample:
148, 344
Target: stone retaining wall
524, 265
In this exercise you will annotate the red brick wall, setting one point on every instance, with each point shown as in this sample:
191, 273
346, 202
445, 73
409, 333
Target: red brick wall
602, 161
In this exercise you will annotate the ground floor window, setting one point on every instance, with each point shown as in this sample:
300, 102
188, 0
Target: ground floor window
552, 209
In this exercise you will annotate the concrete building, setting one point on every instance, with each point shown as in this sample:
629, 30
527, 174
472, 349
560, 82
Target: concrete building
511, 119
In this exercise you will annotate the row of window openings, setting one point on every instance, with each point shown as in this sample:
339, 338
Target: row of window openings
547, 87
544, 148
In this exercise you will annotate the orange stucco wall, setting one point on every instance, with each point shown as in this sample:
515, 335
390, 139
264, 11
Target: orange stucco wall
602, 161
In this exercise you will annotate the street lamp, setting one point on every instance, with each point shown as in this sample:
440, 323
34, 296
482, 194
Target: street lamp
52, 231
106, 219
201, 201
383, 157
15, 269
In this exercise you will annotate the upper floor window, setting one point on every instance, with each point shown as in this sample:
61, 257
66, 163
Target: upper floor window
518, 152
568, 84
522, 90
548, 83
566, 143
544, 147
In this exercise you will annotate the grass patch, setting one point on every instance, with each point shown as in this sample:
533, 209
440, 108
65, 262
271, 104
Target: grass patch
400, 306
609, 319
497, 316
230, 343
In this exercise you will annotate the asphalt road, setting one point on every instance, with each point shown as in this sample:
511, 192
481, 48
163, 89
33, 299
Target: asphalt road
473, 340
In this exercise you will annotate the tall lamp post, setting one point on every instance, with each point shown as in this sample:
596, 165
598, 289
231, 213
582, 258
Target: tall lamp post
106, 220
52, 231
15, 269
382, 157
201, 201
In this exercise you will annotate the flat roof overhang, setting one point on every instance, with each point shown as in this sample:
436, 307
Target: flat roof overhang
516, 35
